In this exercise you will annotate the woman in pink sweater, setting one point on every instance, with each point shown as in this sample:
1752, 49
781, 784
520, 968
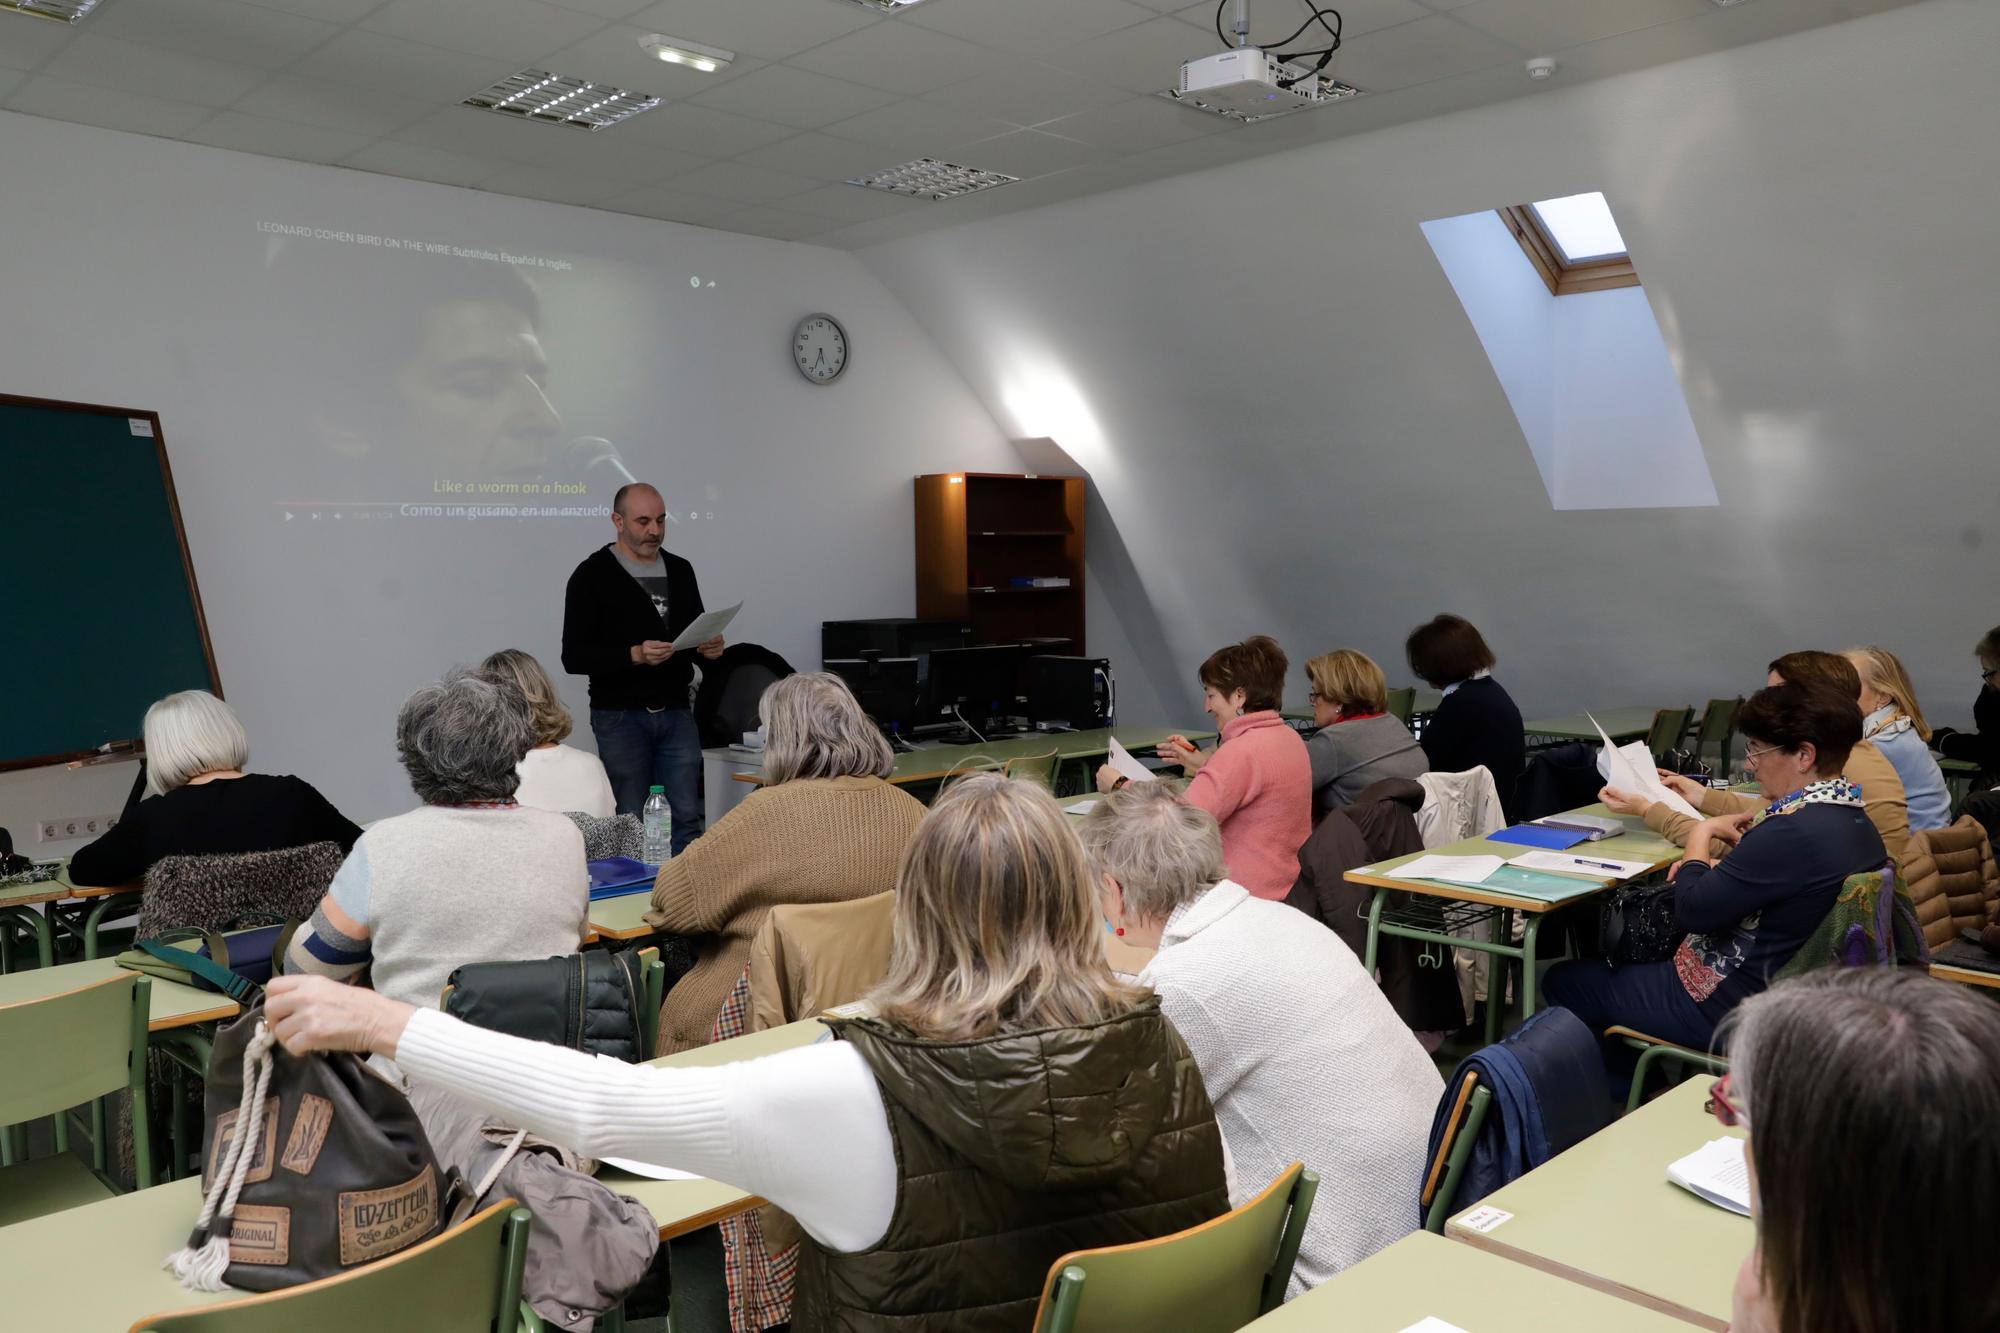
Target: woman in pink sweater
1258, 781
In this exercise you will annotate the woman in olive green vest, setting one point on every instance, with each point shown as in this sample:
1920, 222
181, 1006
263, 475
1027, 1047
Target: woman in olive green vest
1010, 1101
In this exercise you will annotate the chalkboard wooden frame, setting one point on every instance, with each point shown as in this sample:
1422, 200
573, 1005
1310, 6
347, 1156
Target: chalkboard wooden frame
180, 536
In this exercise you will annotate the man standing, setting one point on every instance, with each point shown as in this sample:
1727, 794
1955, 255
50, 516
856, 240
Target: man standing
622, 609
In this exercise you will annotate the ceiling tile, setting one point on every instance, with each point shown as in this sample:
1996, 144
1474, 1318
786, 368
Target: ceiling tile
775, 223
1027, 153
918, 129
770, 29
246, 34
1356, 17
613, 55
745, 184
1138, 125
1413, 53
704, 131
851, 203
464, 129
335, 106
109, 62
276, 138
59, 99
10, 79
359, 59
553, 183
521, 31
392, 158
609, 152
794, 97
30, 41
607, 9
902, 58
1552, 25
1036, 29
327, 11
1029, 95
670, 204
1141, 59
821, 156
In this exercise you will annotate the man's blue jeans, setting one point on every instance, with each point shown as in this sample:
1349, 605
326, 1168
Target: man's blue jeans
642, 749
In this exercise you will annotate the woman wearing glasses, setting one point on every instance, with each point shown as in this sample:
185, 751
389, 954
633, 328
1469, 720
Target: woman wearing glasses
1358, 744
1746, 916
1981, 747
1887, 1068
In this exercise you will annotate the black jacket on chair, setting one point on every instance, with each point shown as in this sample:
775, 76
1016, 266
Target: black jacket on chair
1475, 724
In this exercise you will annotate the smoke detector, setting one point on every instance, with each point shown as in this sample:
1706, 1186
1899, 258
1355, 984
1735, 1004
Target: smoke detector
1541, 67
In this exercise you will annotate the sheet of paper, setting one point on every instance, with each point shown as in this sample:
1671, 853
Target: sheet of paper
1716, 1172
1121, 759
647, 1169
1433, 1324
705, 627
1080, 807
1595, 867
1632, 770
1457, 869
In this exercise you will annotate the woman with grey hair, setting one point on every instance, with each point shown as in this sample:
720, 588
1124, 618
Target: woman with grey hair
200, 802
826, 826
1869, 1096
1301, 1052
472, 876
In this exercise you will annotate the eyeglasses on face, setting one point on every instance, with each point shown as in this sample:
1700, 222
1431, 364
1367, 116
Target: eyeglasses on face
1752, 754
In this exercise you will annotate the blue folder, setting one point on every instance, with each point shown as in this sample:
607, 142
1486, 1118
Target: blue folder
1540, 835
616, 876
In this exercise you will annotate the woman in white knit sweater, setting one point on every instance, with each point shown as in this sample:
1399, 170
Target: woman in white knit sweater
1301, 1052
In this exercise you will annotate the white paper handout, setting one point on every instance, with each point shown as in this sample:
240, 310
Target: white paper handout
1632, 770
1080, 807
1716, 1172
1433, 1324
1457, 869
1592, 867
1121, 759
647, 1169
705, 627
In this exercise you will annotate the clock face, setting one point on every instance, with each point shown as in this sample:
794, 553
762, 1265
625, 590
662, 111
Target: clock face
819, 348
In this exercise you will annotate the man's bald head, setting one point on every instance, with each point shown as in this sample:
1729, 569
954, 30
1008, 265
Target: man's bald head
636, 491
640, 517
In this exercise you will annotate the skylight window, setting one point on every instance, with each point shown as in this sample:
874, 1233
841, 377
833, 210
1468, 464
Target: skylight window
1573, 243
1582, 226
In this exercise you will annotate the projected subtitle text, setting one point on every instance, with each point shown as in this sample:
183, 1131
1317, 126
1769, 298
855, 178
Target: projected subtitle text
301, 230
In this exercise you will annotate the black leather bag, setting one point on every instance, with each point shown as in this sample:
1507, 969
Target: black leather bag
1636, 925
590, 1001
339, 1171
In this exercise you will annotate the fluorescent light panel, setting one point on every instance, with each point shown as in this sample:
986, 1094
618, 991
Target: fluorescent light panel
557, 99
62, 11
928, 178
675, 51
1582, 225
886, 6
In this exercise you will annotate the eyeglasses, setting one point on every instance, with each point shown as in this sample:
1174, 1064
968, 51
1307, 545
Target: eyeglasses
1314, 696
1751, 754
1722, 1108
1988, 676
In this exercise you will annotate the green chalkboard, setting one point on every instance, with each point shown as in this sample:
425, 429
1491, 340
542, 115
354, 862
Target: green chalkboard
100, 603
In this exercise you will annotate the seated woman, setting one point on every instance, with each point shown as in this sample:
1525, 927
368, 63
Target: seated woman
1476, 723
200, 802
554, 776
1301, 1053
940, 1155
470, 877
1893, 723
1980, 746
825, 827
1257, 782
1358, 743
1841, 1058
1747, 914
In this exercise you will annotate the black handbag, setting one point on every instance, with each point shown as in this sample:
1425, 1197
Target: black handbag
591, 1001
1636, 925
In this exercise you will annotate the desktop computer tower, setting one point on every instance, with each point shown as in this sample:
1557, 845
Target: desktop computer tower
1073, 691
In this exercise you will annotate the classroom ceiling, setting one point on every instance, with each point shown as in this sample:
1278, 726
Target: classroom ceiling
1058, 92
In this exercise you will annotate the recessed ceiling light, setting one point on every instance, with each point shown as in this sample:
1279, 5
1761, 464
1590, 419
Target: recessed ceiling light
886, 6
62, 11
928, 178
556, 99
694, 55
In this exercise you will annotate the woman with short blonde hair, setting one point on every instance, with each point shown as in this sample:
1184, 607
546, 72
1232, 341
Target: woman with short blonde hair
554, 776
1893, 721
1358, 744
825, 827
1012, 1104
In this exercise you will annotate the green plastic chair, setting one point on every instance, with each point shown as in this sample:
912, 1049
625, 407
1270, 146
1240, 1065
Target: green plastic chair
1039, 768
1212, 1278
467, 1280
1402, 702
60, 1052
1718, 726
1669, 725
1461, 1132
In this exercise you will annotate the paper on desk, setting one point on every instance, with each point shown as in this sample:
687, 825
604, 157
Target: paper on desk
1121, 759
1080, 807
1632, 770
1596, 867
705, 627
1433, 1324
1458, 869
1716, 1172
647, 1169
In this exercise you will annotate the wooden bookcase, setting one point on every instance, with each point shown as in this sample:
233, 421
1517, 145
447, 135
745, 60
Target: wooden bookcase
977, 532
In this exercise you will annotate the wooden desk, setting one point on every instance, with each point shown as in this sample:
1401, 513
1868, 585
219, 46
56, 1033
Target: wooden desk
1620, 724
1966, 976
1603, 1214
1424, 1275
944, 761
620, 918
1444, 910
174, 1005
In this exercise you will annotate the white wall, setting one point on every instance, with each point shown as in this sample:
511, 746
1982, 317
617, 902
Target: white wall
133, 277
1295, 429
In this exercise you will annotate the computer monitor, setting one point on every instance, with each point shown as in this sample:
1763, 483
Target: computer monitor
976, 683
1074, 691
886, 687
895, 636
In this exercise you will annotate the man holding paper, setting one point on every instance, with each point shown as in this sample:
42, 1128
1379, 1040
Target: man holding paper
625, 612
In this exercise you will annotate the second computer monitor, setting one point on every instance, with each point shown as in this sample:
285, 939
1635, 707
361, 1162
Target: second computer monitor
886, 688
977, 683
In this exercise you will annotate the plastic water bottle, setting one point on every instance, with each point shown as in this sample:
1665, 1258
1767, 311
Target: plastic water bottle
659, 822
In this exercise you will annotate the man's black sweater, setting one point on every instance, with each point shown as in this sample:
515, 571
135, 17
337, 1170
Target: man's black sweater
606, 613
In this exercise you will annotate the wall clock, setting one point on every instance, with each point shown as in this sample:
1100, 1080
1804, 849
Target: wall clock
819, 348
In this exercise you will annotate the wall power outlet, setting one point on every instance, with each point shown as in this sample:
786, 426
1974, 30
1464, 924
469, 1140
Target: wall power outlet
68, 828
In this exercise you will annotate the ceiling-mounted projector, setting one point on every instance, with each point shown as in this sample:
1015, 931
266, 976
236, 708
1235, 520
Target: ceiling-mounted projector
1249, 84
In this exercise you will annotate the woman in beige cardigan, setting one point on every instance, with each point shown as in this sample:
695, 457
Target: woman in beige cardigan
825, 827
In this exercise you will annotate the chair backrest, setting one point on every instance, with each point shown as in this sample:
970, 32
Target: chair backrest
1033, 767
606, 836
467, 1280
808, 957
1402, 702
1459, 806
217, 892
1212, 1278
1718, 724
1669, 725
63, 1050
1461, 1131
1952, 879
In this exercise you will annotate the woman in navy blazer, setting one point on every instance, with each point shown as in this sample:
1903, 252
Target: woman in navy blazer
1477, 722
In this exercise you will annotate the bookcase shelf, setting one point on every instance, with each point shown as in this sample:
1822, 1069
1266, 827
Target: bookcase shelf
978, 531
